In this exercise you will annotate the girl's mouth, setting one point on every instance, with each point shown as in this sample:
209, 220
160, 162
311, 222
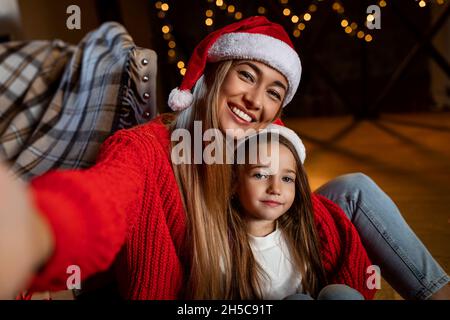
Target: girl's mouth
271, 203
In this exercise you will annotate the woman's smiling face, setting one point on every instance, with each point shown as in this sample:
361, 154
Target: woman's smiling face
250, 97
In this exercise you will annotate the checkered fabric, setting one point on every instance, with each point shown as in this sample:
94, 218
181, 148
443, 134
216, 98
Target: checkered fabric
59, 102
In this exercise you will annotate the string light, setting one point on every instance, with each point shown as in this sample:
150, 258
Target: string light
165, 29
165, 7
219, 3
183, 71
163, 10
351, 27
209, 22
261, 10
299, 20
238, 15
209, 13
231, 9
382, 3
422, 3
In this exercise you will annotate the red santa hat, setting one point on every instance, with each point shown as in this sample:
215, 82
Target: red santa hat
254, 38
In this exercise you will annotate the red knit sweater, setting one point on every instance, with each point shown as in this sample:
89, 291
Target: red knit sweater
127, 208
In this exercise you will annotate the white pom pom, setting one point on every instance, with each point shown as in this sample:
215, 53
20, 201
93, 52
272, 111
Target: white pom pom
180, 99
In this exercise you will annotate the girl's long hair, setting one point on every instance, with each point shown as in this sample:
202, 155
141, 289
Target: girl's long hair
298, 228
205, 191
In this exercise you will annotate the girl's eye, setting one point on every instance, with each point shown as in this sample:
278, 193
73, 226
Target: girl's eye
288, 179
275, 94
259, 176
247, 76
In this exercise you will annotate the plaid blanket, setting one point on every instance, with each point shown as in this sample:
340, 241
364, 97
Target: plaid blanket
59, 102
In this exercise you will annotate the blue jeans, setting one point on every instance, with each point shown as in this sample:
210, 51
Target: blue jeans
330, 292
404, 261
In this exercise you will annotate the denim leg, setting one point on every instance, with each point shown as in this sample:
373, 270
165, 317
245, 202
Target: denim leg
339, 292
404, 261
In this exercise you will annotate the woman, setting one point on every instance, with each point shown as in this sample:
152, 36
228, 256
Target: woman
154, 220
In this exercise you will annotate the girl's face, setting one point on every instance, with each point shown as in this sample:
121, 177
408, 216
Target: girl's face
250, 97
265, 196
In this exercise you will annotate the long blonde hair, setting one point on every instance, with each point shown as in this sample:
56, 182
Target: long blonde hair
205, 191
298, 228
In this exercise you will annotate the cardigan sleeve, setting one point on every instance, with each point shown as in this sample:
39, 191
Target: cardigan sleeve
344, 257
90, 211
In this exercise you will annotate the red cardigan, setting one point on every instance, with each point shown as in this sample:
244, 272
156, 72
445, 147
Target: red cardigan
127, 209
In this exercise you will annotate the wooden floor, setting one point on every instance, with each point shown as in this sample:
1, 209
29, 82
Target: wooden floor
407, 155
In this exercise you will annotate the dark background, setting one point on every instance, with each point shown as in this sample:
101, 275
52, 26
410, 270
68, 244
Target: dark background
405, 68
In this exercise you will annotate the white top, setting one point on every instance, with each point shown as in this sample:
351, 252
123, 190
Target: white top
272, 254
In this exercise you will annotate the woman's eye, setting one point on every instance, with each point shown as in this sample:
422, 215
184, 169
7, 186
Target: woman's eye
247, 76
275, 94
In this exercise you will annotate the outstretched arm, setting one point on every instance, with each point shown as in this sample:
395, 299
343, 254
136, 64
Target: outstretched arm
72, 217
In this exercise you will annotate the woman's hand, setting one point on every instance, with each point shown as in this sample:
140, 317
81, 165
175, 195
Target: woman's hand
25, 237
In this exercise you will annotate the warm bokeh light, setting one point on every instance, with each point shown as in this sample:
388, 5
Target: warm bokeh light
231, 9
209, 22
344, 23
261, 10
183, 71
348, 29
164, 7
171, 53
165, 29
368, 37
238, 15
180, 64
296, 33
307, 17
301, 26
209, 13
286, 12
172, 44
294, 19
360, 34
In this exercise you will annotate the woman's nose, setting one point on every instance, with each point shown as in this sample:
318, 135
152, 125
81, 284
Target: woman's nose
253, 98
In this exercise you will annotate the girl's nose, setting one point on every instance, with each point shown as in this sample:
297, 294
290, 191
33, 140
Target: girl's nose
274, 186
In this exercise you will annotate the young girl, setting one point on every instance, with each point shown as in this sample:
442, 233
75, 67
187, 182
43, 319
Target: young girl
148, 220
284, 240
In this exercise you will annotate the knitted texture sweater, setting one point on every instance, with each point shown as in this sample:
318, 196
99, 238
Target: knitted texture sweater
127, 210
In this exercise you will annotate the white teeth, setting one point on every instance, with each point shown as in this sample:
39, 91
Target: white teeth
241, 114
